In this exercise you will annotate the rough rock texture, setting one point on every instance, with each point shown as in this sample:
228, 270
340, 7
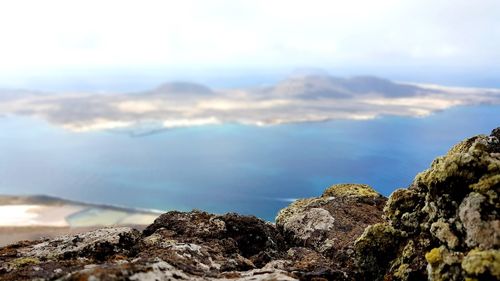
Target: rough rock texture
446, 225
177, 246
331, 223
200, 246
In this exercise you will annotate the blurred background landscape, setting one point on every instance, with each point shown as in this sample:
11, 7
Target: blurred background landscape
113, 112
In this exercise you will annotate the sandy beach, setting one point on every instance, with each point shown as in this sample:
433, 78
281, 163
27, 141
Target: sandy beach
37, 215
34, 217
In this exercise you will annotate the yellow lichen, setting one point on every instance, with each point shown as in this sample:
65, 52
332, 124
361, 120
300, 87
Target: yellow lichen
486, 182
408, 251
434, 256
402, 271
464, 145
379, 237
350, 189
20, 262
478, 262
337, 190
453, 205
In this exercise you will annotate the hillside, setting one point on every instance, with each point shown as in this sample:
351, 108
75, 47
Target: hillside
303, 98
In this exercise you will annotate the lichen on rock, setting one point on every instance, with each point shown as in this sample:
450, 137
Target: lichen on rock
177, 246
97, 244
482, 264
445, 226
350, 189
330, 224
313, 241
450, 214
376, 238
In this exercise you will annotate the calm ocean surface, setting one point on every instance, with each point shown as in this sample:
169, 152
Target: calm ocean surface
246, 169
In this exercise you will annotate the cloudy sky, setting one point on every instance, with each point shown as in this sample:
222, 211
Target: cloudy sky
59, 34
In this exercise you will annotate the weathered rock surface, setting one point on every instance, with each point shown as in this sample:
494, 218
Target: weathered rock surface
331, 223
177, 246
313, 241
446, 225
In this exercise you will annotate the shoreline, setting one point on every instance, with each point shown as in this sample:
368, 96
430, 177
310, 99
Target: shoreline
40, 216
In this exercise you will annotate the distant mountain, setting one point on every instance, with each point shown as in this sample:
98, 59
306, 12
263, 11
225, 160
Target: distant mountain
371, 84
181, 88
306, 96
311, 87
305, 84
325, 86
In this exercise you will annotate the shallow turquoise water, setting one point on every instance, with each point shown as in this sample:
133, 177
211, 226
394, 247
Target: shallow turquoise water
246, 169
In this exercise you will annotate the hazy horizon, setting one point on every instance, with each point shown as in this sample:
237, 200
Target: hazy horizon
72, 45
130, 80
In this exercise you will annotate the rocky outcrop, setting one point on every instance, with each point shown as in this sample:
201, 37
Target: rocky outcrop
313, 241
177, 246
230, 242
330, 224
446, 225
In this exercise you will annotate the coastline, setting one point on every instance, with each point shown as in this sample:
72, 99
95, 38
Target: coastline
33, 217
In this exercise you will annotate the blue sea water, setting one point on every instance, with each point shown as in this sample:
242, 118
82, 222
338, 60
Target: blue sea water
226, 168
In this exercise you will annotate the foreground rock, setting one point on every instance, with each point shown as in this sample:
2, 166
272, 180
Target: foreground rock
313, 241
177, 246
446, 225
331, 223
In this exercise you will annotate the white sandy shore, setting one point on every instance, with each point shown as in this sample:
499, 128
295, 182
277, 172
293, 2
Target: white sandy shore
30, 212
36, 215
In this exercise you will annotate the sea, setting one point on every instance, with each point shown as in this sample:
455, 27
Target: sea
228, 168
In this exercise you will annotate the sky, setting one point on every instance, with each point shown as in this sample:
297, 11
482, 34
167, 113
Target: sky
55, 35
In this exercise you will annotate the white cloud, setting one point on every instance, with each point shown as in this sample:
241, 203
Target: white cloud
63, 34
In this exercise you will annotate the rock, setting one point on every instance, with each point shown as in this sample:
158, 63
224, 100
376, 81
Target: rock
177, 246
197, 245
331, 223
53, 258
98, 244
482, 263
446, 225
251, 241
378, 238
161, 270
